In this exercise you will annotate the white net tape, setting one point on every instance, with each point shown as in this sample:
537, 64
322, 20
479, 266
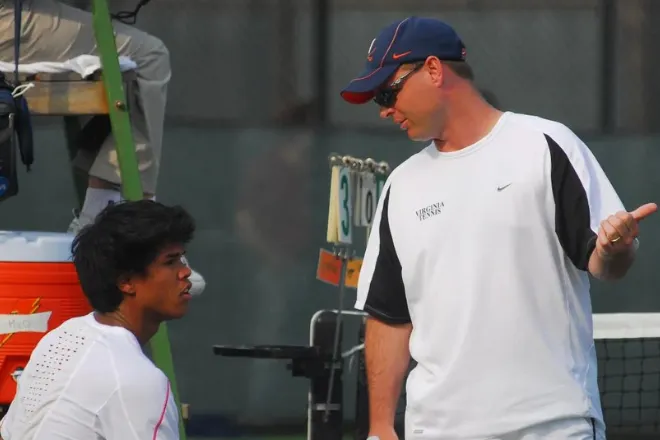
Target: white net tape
626, 325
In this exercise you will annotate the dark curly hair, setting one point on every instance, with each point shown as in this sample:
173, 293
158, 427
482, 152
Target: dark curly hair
123, 241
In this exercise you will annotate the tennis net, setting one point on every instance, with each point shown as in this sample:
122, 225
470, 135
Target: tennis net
628, 348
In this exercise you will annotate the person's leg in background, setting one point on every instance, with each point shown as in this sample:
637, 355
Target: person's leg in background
147, 117
52, 31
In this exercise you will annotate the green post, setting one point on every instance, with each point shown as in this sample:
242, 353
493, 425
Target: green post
130, 176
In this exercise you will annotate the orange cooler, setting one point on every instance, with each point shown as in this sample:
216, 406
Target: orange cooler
39, 290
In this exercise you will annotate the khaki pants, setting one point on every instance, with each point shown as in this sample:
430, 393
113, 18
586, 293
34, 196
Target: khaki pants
52, 31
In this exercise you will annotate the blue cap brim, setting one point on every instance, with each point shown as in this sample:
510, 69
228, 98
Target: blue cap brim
362, 89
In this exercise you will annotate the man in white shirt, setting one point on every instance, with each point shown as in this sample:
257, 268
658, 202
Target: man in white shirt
478, 261
89, 378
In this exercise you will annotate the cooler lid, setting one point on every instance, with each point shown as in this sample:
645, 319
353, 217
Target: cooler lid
35, 246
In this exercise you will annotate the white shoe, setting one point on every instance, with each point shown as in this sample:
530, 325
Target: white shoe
196, 279
77, 223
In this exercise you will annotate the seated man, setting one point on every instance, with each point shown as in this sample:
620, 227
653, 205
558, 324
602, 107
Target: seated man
54, 32
89, 378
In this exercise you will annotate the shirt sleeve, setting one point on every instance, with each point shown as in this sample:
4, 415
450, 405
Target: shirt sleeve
144, 410
381, 292
583, 195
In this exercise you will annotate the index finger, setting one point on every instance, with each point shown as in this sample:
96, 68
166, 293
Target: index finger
644, 211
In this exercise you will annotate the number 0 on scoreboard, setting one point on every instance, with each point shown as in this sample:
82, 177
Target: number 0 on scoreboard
368, 199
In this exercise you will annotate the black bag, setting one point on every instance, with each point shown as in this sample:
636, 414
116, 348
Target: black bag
8, 177
15, 122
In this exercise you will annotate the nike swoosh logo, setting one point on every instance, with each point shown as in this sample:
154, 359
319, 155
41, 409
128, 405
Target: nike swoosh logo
396, 56
500, 188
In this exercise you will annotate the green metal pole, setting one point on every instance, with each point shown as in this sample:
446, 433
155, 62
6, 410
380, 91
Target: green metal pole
118, 107
128, 166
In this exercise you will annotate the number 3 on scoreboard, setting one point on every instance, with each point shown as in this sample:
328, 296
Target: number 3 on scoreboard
345, 218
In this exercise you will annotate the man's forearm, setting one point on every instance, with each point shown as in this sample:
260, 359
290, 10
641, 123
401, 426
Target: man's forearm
613, 267
388, 357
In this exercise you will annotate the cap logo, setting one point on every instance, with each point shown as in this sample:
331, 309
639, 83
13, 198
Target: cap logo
371, 50
463, 53
371, 46
396, 56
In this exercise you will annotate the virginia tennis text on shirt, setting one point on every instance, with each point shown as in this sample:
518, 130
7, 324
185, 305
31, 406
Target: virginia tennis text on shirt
430, 211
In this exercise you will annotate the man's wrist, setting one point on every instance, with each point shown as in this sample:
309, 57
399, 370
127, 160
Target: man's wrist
382, 431
611, 265
622, 253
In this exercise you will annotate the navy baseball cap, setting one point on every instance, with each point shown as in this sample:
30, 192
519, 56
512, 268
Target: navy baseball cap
411, 39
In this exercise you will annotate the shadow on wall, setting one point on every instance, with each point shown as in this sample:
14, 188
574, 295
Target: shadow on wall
274, 222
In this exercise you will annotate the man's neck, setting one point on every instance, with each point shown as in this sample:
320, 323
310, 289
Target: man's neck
471, 120
143, 329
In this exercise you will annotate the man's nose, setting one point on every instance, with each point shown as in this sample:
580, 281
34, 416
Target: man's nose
185, 272
386, 112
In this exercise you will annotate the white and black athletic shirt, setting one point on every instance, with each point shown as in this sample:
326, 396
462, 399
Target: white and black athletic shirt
485, 251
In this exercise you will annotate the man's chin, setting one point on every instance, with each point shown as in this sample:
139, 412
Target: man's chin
417, 137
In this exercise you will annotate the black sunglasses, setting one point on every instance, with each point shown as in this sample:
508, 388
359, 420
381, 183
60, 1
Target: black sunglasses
386, 96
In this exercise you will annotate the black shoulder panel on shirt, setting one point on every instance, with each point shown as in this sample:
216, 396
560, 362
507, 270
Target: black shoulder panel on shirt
386, 299
572, 214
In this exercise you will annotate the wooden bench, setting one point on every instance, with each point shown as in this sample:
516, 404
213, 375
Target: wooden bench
66, 94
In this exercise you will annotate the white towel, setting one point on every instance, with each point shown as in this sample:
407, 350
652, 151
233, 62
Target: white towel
84, 65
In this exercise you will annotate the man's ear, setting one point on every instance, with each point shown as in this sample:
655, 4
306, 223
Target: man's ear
436, 70
126, 285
